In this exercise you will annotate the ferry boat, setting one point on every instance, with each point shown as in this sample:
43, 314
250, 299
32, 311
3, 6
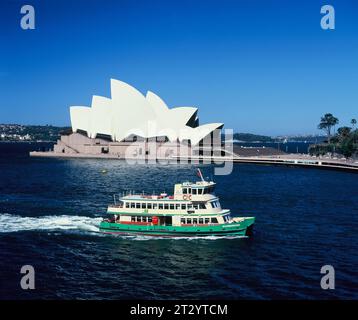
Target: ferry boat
193, 210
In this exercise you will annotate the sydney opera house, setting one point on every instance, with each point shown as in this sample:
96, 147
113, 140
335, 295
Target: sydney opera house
130, 124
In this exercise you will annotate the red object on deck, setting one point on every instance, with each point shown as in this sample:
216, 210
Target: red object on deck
155, 220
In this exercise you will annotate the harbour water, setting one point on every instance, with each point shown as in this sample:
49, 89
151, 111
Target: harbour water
288, 147
50, 210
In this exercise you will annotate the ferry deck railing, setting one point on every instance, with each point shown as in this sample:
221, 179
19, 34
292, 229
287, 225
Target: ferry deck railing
117, 197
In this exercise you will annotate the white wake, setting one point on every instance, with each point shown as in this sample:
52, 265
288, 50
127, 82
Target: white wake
13, 223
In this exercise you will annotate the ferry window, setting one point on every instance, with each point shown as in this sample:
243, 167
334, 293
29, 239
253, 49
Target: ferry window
189, 190
139, 219
144, 219
132, 205
177, 206
149, 219
166, 206
214, 220
143, 206
149, 205
127, 204
183, 206
194, 191
207, 220
133, 218
160, 206
172, 206
196, 206
155, 205
188, 221
200, 191
190, 206
185, 190
195, 221
182, 221
201, 220
212, 204
137, 205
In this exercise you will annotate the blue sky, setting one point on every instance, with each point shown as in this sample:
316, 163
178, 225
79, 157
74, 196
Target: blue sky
264, 67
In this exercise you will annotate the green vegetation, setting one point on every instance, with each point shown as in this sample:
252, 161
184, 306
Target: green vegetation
353, 123
327, 122
249, 137
345, 142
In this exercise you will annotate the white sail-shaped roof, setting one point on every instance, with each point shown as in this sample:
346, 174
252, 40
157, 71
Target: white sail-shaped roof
128, 112
80, 118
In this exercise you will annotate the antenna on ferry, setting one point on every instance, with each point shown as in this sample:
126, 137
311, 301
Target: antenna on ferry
200, 175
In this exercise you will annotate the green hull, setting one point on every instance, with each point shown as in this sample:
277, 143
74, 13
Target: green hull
242, 228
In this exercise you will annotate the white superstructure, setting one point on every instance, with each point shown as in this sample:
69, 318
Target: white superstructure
129, 113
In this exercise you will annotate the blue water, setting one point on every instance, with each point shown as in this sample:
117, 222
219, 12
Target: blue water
289, 147
50, 210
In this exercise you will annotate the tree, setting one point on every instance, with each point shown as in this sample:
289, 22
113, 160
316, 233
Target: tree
353, 123
344, 132
326, 124
347, 146
355, 138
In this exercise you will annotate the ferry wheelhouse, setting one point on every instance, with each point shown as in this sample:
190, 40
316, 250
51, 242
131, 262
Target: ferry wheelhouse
193, 210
